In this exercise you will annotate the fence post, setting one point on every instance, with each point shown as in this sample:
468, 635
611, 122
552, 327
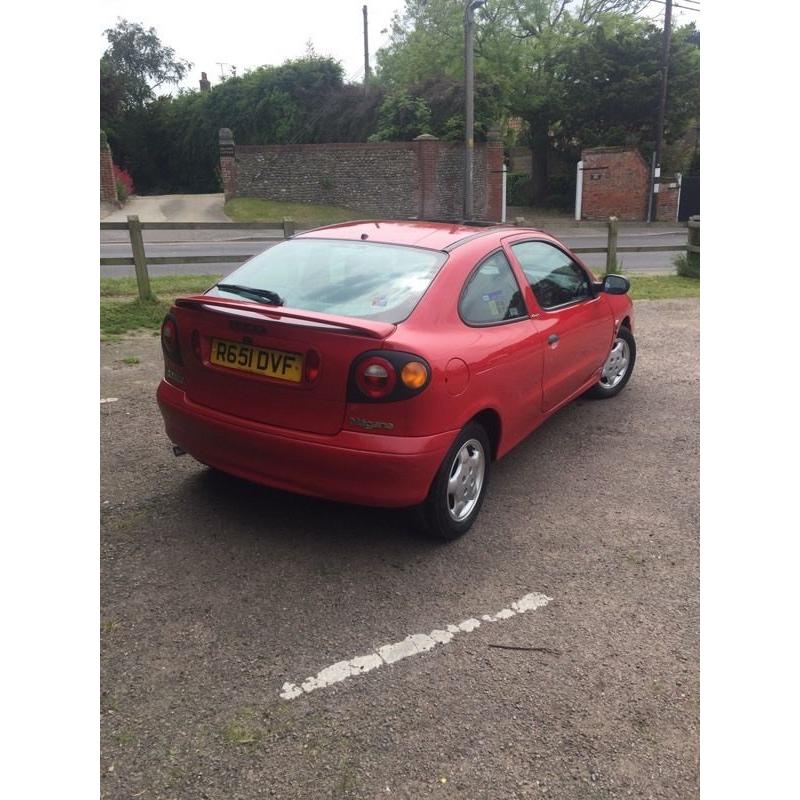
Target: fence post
693, 246
139, 258
288, 227
611, 252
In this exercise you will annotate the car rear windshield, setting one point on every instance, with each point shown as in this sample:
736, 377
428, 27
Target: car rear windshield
354, 279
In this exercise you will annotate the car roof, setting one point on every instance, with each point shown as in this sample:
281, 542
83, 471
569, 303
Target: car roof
419, 233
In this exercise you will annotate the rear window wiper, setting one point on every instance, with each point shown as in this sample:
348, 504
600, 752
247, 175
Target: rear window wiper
266, 296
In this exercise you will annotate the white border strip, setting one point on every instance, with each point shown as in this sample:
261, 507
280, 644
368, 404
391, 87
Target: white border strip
410, 646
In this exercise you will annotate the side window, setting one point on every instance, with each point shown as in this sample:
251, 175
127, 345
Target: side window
492, 294
554, 277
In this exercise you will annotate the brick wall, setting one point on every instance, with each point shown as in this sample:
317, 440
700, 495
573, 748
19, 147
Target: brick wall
108, 187
667, 209
392, 179
615, 183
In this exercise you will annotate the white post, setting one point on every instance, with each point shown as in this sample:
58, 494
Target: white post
679, 179
579, 192
503, 217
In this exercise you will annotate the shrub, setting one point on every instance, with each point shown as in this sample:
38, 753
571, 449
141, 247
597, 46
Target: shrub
688, 265
123, 177
122, 191
517, 189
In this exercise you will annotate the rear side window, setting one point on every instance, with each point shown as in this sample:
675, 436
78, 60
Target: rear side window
369, 280
492, 294
555, 278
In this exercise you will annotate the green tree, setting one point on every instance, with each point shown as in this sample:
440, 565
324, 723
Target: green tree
576, 71
170, 143
134, 65
614, 77
402, 117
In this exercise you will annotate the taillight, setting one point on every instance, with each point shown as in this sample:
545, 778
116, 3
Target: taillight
414, 374
311, 366
376, 377
169, 339
386, 376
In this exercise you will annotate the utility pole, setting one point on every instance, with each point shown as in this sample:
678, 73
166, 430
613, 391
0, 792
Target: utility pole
469, 90
366, 50
662, 110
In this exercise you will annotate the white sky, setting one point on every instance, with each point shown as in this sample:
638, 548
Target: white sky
249, 33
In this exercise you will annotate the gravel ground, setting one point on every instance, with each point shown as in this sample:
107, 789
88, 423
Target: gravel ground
215, 592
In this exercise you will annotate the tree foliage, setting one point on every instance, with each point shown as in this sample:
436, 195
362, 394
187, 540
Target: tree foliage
171, 143
578, 72
134, 65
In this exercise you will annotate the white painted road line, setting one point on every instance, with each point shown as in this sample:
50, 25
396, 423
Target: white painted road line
410, 646
108, 400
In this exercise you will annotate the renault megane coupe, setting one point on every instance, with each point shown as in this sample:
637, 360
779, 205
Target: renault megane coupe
390, 363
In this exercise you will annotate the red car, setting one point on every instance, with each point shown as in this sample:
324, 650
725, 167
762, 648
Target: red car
389, 363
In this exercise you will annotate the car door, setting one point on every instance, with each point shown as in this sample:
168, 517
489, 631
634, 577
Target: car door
505, 351
576, 321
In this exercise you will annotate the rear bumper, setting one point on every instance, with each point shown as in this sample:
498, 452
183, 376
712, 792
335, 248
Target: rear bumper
351, 467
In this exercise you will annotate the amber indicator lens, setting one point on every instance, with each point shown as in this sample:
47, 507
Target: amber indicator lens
414, 375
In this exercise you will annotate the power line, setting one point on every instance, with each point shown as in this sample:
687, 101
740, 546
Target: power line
675, 5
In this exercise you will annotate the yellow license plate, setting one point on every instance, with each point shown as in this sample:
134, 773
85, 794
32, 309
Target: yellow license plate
247, 358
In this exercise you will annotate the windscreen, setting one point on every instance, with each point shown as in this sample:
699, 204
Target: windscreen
354, 279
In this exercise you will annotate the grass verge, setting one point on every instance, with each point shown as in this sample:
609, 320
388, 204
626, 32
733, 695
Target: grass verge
122, 312
173, 285
254, 209
662, 287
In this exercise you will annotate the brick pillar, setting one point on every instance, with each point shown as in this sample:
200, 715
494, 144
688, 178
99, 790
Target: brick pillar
668, 194
494, 176
108, 186
227, 162
205, 83
427, 160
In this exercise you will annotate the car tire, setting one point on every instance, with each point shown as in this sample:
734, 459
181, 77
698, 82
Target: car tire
457, 492
618, 367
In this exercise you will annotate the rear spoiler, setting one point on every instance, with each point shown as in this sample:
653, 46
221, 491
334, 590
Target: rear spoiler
362, 327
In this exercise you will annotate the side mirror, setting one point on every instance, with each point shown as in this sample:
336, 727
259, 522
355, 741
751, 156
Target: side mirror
616, 284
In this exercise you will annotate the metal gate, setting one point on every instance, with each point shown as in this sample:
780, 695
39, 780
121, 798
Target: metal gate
690, 197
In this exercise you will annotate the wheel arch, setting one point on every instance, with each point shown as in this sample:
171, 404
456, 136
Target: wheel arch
490, 421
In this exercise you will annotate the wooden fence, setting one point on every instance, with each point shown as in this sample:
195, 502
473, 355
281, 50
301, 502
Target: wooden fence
140, 260
611, 249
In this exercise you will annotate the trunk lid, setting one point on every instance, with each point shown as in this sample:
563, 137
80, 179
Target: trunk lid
253, 335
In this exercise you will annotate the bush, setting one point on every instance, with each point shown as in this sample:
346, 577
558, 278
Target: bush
517, 189
124, 182
561, 192
688, 265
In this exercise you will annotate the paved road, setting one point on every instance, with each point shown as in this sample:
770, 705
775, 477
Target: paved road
216, 593
159, 245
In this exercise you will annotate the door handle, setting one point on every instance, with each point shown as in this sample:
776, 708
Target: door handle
552, 338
